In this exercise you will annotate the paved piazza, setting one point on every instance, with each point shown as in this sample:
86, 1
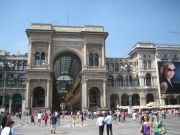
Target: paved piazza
130, 127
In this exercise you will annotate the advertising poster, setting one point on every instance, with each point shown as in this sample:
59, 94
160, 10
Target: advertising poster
169, 77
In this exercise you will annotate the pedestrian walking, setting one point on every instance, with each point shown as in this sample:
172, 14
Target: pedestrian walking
39, 117
146, 128
73, 116
45, 118
158, 126
82, 118
32, 118
108, 120
53, 121
100, 123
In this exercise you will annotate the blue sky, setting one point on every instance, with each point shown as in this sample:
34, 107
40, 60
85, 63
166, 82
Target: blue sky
126, 21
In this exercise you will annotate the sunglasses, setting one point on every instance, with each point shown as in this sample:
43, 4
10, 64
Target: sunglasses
169, 69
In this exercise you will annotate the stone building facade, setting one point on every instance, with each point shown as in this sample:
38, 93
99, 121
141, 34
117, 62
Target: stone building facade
67, 68
12, 81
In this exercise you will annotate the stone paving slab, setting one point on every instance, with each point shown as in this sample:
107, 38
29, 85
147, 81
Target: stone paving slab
130, 127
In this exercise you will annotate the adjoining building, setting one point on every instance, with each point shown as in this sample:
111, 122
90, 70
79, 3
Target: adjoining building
12, 81
66, 68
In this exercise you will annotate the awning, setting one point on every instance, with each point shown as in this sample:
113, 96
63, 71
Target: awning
153, 104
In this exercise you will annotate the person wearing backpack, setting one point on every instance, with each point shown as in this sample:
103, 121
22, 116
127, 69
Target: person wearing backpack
100, 123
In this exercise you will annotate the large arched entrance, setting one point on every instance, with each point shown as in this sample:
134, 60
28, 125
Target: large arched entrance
94, 97
1, 100
124, 100
170, 100
114, 101
6, 101
17, 103
149, 98
39, 97
66, 80
135, 100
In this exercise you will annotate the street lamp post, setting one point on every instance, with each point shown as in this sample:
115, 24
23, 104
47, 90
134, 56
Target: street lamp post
4, 67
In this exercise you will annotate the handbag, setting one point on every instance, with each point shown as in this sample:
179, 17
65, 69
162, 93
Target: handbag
162, 129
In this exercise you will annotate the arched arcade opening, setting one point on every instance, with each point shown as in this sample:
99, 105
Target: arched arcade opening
66, 81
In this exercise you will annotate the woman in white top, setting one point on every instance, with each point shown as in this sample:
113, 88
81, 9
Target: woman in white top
8, 130
100, 123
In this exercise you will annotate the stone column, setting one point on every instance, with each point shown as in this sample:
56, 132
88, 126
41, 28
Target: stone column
48, 100
23, 105
162, 101
144, 81
142, 101
10, 106
49, 55
141, 81
152, 81
120, 100
130, 100
103, 55
29, 53
27, 99
84, 94
85, 54
104, 93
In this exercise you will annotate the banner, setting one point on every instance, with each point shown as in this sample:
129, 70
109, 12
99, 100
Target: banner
169, 77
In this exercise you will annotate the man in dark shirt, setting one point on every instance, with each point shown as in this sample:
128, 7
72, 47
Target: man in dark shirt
53, 121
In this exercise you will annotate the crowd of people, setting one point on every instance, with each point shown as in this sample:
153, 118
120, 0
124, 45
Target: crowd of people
151, 120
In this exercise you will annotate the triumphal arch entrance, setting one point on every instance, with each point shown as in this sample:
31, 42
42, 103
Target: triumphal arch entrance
66, 68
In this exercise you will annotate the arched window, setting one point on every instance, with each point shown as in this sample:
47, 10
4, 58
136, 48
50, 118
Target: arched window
130, 81
149, 64
178, 100
148, 79
17, 103
94, 97
111, 67
120, 81
107, 66
116, 67
6, 101
121, 67
24, 65
126, 81
124, 100
136, 81
37, 58
135, 99
90, 59
170, 100
21, 79
40, 58
20, 65
10, 79
144, 64
1, 79
93, 59
114, 101
110, 81
39, 97
149, 98
96, 59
